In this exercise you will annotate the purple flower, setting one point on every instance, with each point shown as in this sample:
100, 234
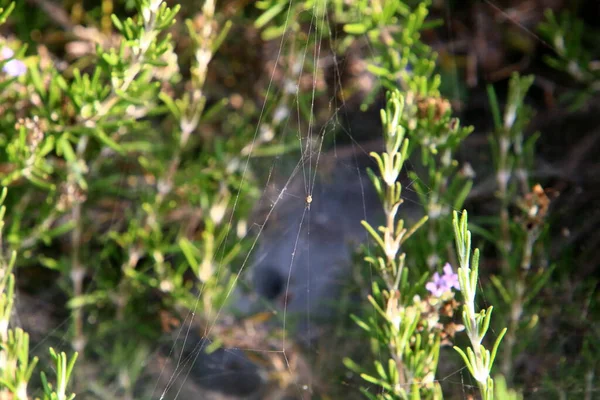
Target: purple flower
451, 277
13, 67
440, 284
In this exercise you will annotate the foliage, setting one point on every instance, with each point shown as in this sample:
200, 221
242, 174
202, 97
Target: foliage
131, 181
16, 367
412, 328
574, 48
413, 353
426, 117
478, 359
518, 234
104, 162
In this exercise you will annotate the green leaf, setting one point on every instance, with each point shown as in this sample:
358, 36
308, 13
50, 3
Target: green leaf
5, 12
494, 106
210, 114
272, 32
380, 370
414, 228
111, 59
360, 323
496, 345
352, 366
40, 182
222, 35
378, 71
372, 379
59, 230
104, 138
373, 233
116, 22
463, 194
356, 28
539, 283
65, 149
36, 79
94, 298
131, 99
50, 263
268, 15
190, 252
501, 289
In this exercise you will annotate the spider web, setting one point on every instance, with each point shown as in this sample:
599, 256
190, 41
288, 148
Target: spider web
306, 169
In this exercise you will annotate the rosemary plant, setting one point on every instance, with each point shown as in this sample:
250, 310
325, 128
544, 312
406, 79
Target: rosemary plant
411, 328
478, 359
101, 155
574, 47
402, 60
413, 354
518, 239
425, 116
16, 366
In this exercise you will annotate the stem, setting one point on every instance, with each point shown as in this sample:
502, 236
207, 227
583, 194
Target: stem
589, 384
502, 177
521, 170
78, 271
394, 263
134, 256
528, 251
517, 305
511, 335
77, 275
432, 233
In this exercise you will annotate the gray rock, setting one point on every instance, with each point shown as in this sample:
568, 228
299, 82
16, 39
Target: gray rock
305, 250
225, 374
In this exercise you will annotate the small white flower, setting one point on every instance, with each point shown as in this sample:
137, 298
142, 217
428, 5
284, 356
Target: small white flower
290, 86
13, 67
6, 53
280, 114
217, 212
